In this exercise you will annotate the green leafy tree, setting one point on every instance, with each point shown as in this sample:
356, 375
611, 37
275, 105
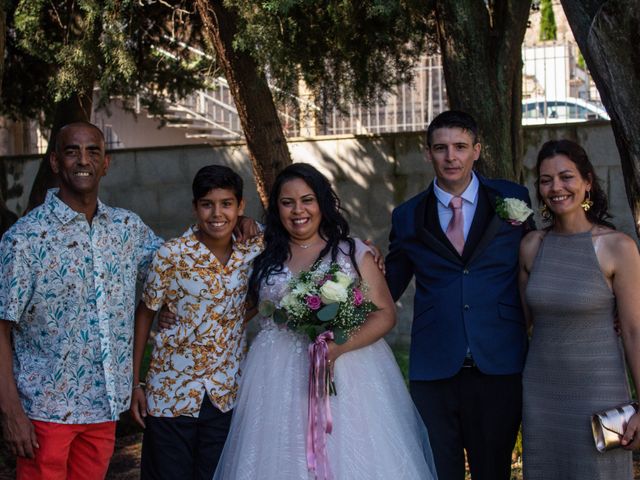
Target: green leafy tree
263, 132
357, 50
547, 21
580, 62
343, 50
61, 50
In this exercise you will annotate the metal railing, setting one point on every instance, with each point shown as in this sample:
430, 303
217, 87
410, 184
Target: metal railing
556, 89
409, 107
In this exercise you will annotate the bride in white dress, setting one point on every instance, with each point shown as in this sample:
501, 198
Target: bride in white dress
377, 432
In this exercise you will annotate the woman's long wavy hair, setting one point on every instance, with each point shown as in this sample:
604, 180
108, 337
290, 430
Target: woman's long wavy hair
599, 211
334, 228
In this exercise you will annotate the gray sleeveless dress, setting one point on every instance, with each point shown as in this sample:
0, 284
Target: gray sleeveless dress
574, 367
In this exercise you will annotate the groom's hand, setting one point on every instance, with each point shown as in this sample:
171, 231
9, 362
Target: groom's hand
378, 257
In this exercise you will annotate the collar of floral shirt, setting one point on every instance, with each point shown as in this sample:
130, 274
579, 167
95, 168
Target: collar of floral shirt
66, 214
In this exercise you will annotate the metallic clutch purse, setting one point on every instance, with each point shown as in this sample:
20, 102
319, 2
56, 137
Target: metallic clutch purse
608, 425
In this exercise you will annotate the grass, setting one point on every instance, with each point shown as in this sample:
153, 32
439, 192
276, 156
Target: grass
402, 357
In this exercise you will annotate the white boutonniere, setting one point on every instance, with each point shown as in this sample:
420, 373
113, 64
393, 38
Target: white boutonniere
513, 210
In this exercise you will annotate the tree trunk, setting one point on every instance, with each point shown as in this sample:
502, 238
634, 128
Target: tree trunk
481, 46
7, 217
76, 108
3, 37
258, 115
608, 34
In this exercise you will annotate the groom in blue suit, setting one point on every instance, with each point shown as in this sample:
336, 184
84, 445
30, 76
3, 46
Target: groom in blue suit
468, 338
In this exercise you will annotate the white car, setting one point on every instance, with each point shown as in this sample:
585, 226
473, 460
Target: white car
539, 111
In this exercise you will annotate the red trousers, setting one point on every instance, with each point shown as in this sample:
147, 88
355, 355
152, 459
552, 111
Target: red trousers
73, 452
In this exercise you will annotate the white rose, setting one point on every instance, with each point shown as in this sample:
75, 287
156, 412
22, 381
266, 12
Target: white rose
517, 209
333, 292
289, 301
343, 279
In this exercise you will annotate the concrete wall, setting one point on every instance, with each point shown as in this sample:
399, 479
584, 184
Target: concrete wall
371, 174
134, 131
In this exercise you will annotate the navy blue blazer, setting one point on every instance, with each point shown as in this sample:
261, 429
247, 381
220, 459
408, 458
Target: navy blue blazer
469, 301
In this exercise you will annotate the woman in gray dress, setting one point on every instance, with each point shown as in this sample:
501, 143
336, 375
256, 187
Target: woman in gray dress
575, 277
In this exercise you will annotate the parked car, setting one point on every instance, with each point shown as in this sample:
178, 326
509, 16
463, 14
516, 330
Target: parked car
538, 111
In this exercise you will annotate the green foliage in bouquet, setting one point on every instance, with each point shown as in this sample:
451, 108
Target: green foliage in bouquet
321, 299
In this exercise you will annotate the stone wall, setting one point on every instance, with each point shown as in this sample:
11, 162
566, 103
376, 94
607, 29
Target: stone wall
371, 174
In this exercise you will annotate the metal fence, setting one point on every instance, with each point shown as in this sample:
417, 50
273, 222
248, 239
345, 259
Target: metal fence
410, 107
556, 88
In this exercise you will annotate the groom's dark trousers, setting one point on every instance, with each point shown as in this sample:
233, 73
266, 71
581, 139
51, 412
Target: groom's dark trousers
468, 337
473, 412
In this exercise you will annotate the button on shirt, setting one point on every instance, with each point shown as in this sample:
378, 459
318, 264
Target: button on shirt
202, 351
469, 204
70, 288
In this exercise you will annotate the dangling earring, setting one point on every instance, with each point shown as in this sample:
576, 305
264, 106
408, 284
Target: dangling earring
545, 213
587, 203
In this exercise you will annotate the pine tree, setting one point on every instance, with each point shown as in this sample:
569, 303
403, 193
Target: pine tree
62, 50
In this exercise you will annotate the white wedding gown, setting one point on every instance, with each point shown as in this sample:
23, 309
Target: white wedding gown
377, 431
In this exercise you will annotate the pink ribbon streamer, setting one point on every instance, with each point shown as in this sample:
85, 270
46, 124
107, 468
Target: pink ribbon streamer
319, 423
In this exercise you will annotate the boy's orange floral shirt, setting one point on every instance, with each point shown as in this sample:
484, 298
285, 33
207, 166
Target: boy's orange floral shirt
203, 350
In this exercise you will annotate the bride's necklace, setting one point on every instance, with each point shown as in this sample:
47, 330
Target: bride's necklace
305, 245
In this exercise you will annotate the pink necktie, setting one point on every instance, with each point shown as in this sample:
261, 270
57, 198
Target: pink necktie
455, 232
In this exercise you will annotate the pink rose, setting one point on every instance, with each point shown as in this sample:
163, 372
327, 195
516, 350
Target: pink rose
313, 302
357, 297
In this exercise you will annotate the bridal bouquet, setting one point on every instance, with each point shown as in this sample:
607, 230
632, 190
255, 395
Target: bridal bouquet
321, 300
326, 304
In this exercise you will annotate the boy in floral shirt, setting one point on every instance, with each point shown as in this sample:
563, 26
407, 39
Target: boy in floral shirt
192, 381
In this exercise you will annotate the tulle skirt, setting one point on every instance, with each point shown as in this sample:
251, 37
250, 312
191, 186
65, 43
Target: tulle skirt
377, 431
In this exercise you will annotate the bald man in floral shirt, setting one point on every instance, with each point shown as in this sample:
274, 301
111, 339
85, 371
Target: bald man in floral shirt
68, 273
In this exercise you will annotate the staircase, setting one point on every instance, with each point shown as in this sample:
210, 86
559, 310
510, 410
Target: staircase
212, 114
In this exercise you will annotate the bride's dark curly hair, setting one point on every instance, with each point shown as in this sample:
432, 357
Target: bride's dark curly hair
334, 228
599, 211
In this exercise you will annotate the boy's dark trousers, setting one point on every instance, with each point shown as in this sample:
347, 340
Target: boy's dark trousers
184, 447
